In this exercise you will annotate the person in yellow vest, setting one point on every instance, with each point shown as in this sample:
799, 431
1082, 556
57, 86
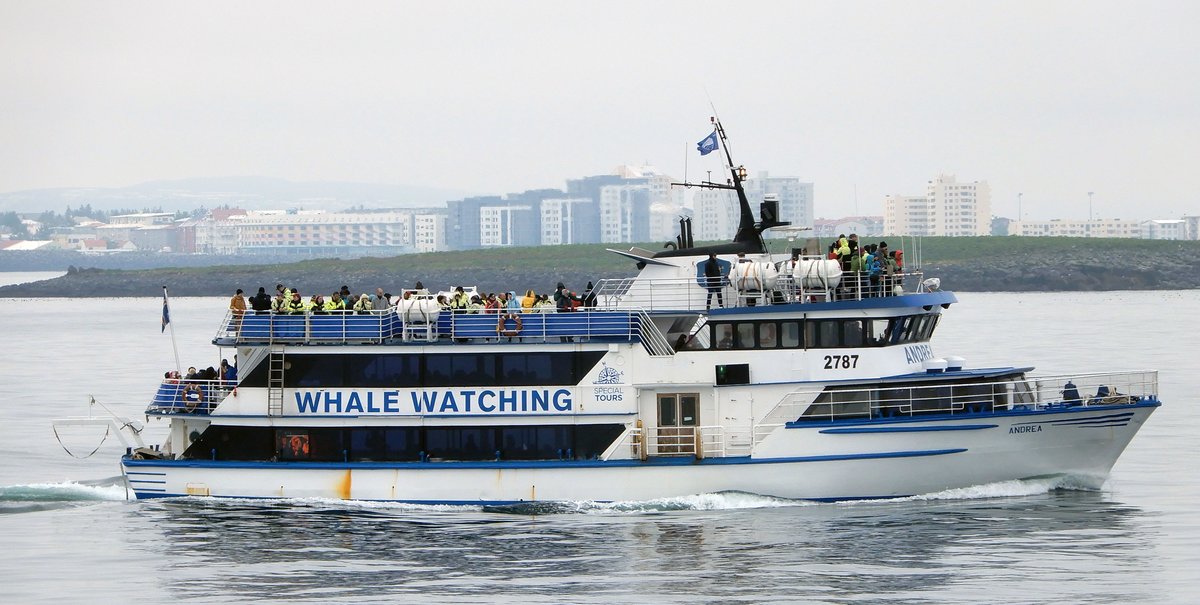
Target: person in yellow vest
459, 301
296, 305
337, 304
364, 306
317, 305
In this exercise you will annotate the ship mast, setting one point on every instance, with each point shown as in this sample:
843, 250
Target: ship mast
748, 238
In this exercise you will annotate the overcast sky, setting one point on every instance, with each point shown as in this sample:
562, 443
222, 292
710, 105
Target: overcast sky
1052, 99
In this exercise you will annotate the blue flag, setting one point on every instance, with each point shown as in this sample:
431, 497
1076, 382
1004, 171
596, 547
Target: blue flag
708, 144
166, 318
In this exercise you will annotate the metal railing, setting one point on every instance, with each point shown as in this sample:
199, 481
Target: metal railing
697, 441
960, 397
182, 396
451, 326
676, 294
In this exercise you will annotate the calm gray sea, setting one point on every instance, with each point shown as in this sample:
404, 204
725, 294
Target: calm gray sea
67, 534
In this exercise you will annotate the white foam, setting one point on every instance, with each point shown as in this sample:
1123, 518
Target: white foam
1001, 489
65, 491
707, 501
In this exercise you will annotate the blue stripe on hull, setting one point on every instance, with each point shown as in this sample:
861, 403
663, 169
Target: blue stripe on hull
536, 464
155, 496
908, 429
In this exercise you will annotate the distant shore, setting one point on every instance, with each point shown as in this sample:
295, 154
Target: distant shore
991, 264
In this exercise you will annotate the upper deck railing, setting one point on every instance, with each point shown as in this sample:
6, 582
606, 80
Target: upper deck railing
183, 396
450, 326
687, 294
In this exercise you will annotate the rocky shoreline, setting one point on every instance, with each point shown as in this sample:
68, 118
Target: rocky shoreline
1132, 271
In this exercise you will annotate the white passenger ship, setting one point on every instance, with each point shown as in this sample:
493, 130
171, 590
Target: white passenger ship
806, 384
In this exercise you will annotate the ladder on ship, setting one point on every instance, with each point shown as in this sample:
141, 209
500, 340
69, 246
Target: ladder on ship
275, 381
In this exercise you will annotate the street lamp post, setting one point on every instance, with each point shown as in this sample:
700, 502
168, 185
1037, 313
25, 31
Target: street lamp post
1090, 205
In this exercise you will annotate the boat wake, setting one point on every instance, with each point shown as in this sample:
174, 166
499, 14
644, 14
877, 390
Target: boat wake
46, 496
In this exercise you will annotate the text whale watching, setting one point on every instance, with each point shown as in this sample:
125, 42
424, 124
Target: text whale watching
802, 373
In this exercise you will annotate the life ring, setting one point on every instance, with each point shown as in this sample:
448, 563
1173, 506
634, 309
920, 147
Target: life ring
190, 403
502, 325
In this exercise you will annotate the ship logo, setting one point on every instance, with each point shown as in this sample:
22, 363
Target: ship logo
608, 376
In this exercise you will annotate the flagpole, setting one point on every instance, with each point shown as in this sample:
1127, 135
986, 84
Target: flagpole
167, 318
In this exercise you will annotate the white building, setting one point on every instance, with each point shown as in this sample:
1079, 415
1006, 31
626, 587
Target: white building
558, 219
948, 208
717, 213
429, 232
498, 225
1101, 227
142, 219
1164, 229
795, 197
866, 226
1193, 226
312, 231
625, 213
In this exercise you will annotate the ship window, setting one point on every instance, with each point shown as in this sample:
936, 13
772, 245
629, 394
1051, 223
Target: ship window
723, 335
313, 370
745, 335
383, 371
293, 444
827, 334
534, 442
877, 332
460, 443
768, 335
378, 444
790, 334
533, 368
839, 404
852, 333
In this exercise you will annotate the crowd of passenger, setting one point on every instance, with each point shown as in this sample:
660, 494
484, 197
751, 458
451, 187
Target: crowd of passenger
868, 270
195, 387
289, 301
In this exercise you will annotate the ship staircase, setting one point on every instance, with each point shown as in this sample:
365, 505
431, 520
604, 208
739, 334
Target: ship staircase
651, 337
275, 370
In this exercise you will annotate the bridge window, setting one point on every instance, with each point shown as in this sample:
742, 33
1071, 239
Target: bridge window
404, 444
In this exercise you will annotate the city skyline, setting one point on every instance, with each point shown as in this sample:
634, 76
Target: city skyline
1050, 100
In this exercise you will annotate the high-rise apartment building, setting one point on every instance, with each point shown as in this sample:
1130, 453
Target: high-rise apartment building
565, 220
718, 215
948, 208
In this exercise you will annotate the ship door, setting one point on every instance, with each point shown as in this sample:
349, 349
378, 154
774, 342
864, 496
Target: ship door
678, 417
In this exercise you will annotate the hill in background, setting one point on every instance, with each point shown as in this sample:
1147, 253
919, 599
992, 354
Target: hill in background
965, 264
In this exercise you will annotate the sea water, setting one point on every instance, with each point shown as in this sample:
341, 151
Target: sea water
68, 534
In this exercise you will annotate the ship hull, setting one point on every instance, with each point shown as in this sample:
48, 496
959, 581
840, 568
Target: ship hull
807, 461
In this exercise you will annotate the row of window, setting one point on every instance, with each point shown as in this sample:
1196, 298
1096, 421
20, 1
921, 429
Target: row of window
400, 370
407, 444
822, 333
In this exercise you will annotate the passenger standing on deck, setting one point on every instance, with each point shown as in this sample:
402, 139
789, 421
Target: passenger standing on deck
381, 302
714, 281
459, 301
237, 308
364, 306
529, 301
296, 306
261, 302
